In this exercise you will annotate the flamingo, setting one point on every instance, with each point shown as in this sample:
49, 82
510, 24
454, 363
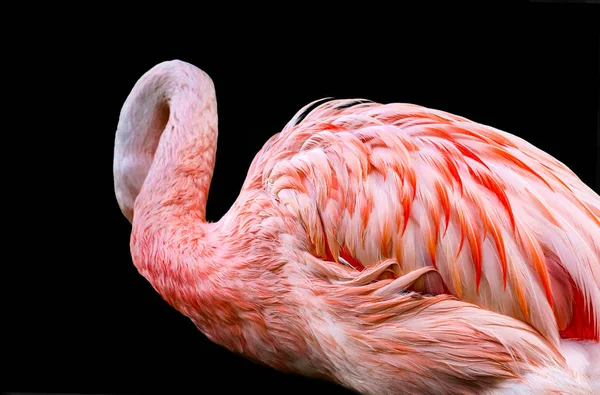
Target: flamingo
390, 248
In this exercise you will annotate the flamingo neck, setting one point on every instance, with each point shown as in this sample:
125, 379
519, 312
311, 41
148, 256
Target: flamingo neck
178, 180
164, 159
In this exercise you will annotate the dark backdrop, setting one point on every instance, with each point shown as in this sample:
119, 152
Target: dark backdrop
87, 322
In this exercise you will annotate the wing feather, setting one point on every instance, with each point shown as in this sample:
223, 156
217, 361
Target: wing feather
507, 226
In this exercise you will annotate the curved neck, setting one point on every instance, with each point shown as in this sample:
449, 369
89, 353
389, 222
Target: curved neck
166, 143
178, 180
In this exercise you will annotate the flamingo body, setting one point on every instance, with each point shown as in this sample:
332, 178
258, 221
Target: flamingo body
390, 248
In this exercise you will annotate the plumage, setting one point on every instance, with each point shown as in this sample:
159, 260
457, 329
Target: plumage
390, 248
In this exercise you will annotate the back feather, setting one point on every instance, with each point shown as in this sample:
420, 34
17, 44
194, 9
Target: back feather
507, 226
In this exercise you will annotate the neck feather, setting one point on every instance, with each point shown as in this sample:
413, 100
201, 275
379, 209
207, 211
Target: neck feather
164, 159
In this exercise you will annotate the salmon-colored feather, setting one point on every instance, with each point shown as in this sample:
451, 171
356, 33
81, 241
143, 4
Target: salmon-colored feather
390, 248
451, 143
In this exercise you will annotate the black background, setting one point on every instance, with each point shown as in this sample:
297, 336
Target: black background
85, 321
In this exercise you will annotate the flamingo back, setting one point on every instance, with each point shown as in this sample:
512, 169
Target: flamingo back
506, 225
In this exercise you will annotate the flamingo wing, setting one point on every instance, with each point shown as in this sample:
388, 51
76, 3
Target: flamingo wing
507, 226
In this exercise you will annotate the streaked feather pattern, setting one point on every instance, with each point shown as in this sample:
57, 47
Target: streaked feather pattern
509, 227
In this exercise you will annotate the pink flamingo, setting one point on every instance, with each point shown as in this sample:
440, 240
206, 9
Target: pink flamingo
389, 248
